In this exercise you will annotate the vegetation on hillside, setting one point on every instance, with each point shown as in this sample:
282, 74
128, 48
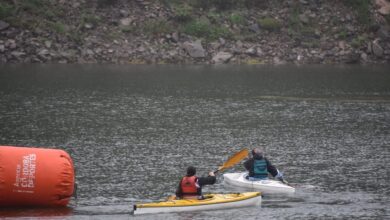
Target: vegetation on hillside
154, 30
208, 19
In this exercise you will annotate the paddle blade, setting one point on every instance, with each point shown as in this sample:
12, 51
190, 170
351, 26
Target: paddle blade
233, 160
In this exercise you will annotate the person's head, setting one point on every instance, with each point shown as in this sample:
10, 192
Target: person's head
191, 171
258, 153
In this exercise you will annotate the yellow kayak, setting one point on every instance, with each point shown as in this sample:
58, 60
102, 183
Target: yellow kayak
211, 202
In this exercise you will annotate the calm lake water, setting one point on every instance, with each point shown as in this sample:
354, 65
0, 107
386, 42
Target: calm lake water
133, 130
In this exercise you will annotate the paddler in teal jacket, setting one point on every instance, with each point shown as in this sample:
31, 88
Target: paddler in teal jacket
259, 166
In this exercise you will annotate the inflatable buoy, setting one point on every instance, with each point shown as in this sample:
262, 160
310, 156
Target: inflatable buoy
35, 177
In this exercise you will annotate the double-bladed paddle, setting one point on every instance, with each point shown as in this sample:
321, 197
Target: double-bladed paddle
233, 160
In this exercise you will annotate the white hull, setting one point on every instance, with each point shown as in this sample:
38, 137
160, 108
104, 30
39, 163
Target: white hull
254, 201
265, 186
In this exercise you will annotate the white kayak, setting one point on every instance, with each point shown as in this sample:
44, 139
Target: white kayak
265, 186
211, 202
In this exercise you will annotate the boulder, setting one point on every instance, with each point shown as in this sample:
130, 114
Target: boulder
48, 44
3, 25
215, 45
259, 52
251, 51
278, 61
126, 21
384, 31
352, 58
239, 44
304, 2
222, 41
377, 50
254, 28
124, 13
88, 26
303, 18
43, 52
194, 49
76, 4
175, 37
222, 57
364, 57
17, 54
10, 43
384, 6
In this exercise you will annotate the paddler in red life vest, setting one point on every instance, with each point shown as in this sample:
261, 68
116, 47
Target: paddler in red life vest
190, 186
259, 166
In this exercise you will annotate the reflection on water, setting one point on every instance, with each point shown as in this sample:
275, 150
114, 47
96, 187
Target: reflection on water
36, 212
132, 131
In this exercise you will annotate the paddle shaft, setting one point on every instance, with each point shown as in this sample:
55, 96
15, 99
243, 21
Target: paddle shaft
215, 172
285, 182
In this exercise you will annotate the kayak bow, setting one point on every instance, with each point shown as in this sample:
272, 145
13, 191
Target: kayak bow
265, 186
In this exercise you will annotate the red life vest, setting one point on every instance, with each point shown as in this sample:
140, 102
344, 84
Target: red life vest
188, 185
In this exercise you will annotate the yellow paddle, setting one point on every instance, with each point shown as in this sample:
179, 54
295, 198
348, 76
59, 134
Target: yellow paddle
233, 160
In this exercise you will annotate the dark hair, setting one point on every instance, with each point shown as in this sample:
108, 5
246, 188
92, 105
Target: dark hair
191, 171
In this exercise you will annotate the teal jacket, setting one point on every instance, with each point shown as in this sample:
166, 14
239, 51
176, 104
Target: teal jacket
259, 167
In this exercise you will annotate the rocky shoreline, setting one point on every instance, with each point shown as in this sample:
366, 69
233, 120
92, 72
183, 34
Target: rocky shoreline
160, 32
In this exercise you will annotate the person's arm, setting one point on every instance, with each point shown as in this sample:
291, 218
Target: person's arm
248, 164
270, 168
209, 180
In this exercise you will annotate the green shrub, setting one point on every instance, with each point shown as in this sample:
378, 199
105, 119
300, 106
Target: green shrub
308, 31
311, 43
58, 27
359, 41
217, 32
203, 28
89, 18
236, 18
219, 4
127, 29
34, 6
6, 10
75, 36
362, 7
49, 14
270, 24
41, 8
183, 12
199, 28
214, 17
157, 27
294, 21
343, 34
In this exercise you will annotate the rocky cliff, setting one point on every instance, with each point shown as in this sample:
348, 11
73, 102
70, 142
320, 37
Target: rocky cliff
195, 31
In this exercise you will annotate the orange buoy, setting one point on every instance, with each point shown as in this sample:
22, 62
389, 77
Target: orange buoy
35, 177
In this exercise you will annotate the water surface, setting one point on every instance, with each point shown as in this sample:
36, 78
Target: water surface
133, 130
